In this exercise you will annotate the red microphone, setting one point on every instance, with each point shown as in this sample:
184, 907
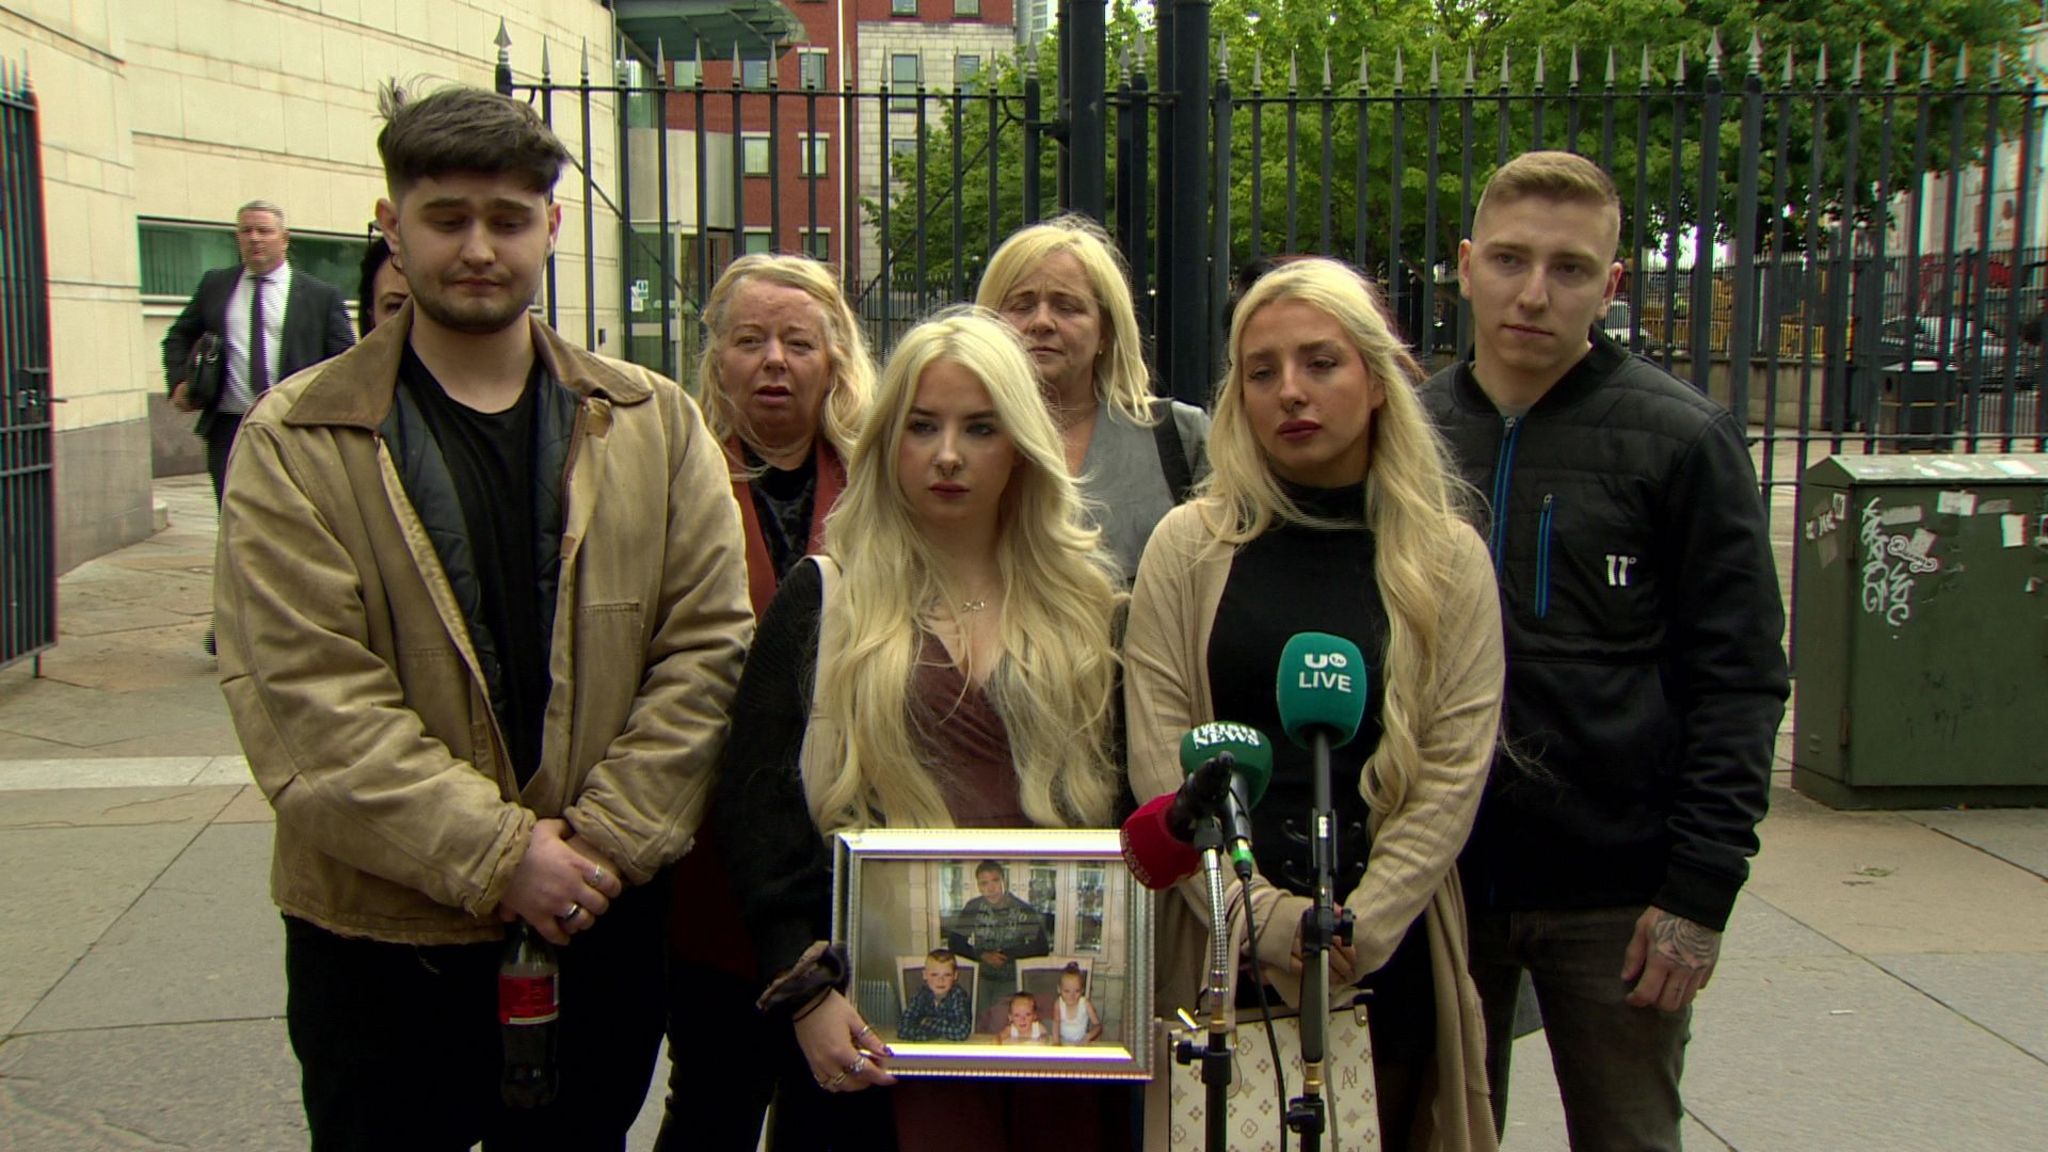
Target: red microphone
1157, 857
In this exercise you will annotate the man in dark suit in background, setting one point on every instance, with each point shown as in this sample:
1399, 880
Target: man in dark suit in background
272, 321
290, 319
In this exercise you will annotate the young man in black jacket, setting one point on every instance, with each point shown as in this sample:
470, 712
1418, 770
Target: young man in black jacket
1646, 679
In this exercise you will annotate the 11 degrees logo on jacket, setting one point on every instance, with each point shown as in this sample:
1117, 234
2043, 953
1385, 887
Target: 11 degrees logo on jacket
1617, 569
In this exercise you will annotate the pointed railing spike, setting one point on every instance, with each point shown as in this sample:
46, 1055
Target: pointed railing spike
1820, 68
1539, 65
1575, 66
1963, 66
1123, 65
1222, 59
1326, 67
547, 67
1926, 64
1293, 71
1364, 72
584, 47
1997, 68
1646, 66
1258, 72
1856, 66
1678, 80
1471, 69
1436, 68
1756, 53
660, 63
1790, 67
1506, 72
1610, 65
503, 39
1400, 68
1891, 67
1714, 54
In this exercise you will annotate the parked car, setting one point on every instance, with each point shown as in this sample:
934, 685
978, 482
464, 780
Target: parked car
1966, 348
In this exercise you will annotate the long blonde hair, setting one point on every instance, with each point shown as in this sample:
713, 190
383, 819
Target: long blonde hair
853, 370
1412, 502
1120, 377
1054, 681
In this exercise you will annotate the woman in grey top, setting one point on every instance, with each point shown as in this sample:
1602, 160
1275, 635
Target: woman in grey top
1062, 286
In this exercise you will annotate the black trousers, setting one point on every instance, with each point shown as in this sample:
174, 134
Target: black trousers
722, 1056
398, 1045
220, 440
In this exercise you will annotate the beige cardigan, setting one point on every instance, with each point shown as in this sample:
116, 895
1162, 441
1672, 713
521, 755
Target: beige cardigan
1411, 868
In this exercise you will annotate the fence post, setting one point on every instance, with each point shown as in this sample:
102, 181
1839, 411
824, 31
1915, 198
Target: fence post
1084, 77
1187, 362
1741, 340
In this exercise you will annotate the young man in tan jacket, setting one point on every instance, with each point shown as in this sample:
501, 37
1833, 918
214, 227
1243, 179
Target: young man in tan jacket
482, 605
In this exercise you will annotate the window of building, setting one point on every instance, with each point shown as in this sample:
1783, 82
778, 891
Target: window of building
754, 153
818, 243
754, 70
903, 159
814, 157
759, 240
176, 253
902, 7
810, 68
906, 72
966, 73
688, 73
968, 9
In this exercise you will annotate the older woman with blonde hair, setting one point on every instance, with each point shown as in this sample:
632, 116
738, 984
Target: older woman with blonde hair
1062, 286
1331, 509
785, 377
948, 662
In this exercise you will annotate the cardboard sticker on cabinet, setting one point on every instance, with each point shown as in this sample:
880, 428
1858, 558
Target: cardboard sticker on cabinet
1994, 507
1956, 503
2014, 467
2015, 530
1830, 549
1903, 514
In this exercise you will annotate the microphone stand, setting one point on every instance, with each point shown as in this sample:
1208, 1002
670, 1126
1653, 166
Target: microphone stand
1323, 923
1216, 1057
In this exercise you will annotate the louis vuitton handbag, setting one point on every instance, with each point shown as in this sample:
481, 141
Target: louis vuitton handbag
1257, 1120
203, 370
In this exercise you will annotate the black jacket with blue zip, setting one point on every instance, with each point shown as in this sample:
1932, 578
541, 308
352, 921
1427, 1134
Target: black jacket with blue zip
1646, 674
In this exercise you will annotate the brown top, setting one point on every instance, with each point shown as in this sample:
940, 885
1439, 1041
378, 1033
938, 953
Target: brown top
962, 739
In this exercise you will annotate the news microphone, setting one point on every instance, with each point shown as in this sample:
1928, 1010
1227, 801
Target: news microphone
1321, 689
1157, 857
1228, 767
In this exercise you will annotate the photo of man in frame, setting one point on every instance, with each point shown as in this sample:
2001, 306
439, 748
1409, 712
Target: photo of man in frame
996, 929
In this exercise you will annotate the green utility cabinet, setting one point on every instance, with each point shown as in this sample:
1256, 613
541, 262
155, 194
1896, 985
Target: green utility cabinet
1920, 625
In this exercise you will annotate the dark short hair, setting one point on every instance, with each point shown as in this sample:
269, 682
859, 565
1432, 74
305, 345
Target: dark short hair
376, 254
465, 129
987, 866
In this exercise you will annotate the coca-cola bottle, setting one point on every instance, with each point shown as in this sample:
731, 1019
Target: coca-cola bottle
529, 1002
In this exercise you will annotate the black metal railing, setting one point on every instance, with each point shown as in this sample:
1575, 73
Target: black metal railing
1795, 233
28, 536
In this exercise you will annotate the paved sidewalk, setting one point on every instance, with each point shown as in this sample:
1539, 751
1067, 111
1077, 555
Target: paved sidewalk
1884, 985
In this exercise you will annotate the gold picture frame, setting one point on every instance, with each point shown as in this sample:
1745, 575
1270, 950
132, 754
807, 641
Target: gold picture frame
1043, 928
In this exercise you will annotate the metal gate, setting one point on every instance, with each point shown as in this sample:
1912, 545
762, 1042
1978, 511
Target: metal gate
28, 533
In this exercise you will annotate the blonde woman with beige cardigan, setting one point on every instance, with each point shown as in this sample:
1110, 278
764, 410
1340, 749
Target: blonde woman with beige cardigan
1330, 508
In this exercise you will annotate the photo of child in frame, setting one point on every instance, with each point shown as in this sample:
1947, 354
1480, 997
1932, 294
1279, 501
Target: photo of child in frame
940, 1009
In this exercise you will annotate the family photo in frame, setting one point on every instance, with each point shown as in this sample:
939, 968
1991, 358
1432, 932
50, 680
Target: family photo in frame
998, 953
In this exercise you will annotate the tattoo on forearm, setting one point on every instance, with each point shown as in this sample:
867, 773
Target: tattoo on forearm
1692, 947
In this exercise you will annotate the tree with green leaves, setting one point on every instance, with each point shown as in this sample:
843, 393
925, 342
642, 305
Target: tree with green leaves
1459, 79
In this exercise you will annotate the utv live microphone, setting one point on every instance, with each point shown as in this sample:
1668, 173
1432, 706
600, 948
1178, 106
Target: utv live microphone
1321, 689
1228, 767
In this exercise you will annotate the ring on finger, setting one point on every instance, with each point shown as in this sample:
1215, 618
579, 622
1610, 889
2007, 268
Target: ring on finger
860, 1061
596, 877
575, 910
835, 1082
